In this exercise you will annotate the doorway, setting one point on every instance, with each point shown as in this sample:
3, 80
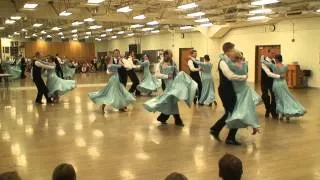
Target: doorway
262, 50
184, 54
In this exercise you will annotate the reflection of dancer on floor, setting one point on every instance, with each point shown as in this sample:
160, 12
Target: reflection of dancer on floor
114, 93
286, 104
37, 66
179, 86
148, 83
244, 113
227, 94
208, 92
58, 86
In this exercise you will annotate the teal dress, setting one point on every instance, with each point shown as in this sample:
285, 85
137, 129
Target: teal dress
68, 72
286, 104
13, 70
148, 83
56, 84
208, 92
114, 93
181, 88
244, 113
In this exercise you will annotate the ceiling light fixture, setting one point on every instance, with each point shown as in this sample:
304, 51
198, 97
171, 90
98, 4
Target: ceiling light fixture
130, 34
74, 31
30, 5
206, 24
103, 35
186, 27
136, 26
147, 29
37, 25
155, 31
77, 23
75, 35
89, 20
124, 9
95, 1
9, 36
56, 29
27, 37
260, 11
8, 21
2, 28
188, 6
15, 17
60, 33
65, 13
196, 14
318, 10
202, 20
49, 36
75, 39
43, 32
24, 30
88, 33
113, 37
16, 33
34, 35
95, 27
263, 2
120, 32
109, 30
257, 18
62, 37
153, 23
86, 37
139, 17
98, 39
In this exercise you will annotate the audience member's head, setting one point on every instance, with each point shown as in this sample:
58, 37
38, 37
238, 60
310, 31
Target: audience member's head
230, 167
227, 47
10, 176
116, 53
194, 53
206, 57
37, 55
146, 57
176, 176
278, 58
271, 53
64, 172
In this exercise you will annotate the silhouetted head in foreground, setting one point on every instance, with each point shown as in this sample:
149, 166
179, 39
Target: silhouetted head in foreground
176, 176
64, 172
230, 167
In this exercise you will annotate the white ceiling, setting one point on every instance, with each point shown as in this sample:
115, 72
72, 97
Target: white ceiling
233, 13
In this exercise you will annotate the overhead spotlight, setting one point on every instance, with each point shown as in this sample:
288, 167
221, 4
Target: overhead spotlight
88, 33
196, 14
49, 36
62, 37
77, 23
188, 6
136, 26
30, 5
131, 34
24, 30
2, 28
74, 31
206, 24
109, 30
95, 27
86, 37
113, 37
151, 23
95, 1
103, 35
65, 13
124, 9
318, 10
43, 32
75, 35
257, 18
27, 37
139, 17
147, 29
8, 21
75, 39
202, 20
260, 11
37, 25
56, 29
15, 17
155, 31
60, 33
89, 20
34, 35
186, 27
120, 32
98, 39
16, 33
9, 36
263, 2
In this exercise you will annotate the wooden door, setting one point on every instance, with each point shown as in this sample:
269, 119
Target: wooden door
184, 56
263, 51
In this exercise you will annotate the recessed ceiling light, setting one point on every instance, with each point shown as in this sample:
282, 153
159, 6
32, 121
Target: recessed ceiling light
16, 33
34, 35
147, 29
65, 13
60, 33
130, 34
136, 26
30, 5
186, 27
75, 35
62, 37
188, 6
206, 24
75, 39
43, 32
202, 20
24, 30
56, 29
2, 28
27, 37
86, 37
98, 39
8, 21
77, 23
120, 32
318, 11
196, 14
263, 2
124, 9
9, 36
153, 23
260, 11
89, 20
113, 37
74, 31
95, 27
109, 30
15, 17
103, 35
256, 18
41, 38
88, 33
37, 25
95, 1
155, 31
139, 17
49, 36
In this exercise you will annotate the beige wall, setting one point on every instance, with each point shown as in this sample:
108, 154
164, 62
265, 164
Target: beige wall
306, 48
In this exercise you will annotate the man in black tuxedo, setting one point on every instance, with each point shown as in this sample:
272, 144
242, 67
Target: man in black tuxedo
227, 93
117, 59
267, 77
58, 62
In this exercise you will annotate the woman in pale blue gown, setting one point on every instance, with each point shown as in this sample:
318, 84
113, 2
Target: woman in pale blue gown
12, 69
114, 93
286, 104
244, 114
148, 83
68, 71
179, 86
208, 91
58, 86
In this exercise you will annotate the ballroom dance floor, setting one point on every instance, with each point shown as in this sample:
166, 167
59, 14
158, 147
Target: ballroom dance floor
132, 145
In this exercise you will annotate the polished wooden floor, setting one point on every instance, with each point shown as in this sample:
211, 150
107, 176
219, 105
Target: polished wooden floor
132, 145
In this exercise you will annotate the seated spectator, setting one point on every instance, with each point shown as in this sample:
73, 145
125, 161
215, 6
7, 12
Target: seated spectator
230, 167
176, 176
10, 176
64, 172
